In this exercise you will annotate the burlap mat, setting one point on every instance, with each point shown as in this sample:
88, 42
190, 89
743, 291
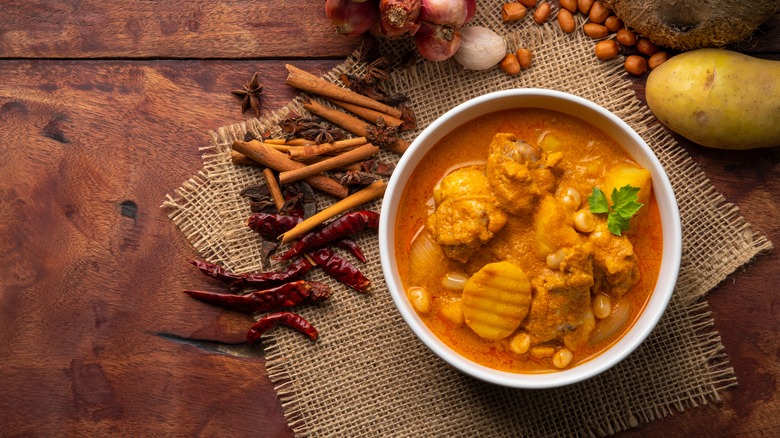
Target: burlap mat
369, 376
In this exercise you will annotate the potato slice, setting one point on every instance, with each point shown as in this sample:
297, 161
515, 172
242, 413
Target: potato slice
496, 299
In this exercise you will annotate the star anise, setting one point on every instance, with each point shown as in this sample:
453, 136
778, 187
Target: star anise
357, 178
381, 134
310, 129
251, 94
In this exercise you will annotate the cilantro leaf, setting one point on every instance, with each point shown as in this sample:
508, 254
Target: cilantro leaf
624, 207
598, 201
616, 224
624, 201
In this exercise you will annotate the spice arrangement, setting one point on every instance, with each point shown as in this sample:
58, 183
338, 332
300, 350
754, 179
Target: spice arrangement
332, 151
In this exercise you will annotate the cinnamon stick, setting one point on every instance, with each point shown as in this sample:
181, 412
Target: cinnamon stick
358, 154
308, 82
367, 113
280, 162
273, 187
349, 123
239, 158
303, 152
299, 142
370, 193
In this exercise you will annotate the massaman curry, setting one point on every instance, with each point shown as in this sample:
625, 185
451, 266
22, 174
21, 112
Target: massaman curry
500, 253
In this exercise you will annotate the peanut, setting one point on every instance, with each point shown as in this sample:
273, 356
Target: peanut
598, 13
626, 37
646, 47
607, 49
657, 59
636, 65
613, 23
566, 21
510, 64
528, 3
524, 58
513, 12
584, 6
595, 31
569, 5
542, 13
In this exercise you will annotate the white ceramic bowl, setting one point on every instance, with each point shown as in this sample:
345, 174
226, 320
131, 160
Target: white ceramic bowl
597, 116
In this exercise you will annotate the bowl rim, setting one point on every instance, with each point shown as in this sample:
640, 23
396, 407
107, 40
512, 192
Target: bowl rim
636, 147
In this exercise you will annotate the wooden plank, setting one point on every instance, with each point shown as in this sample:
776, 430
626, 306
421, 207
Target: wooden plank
169, 29
94, 328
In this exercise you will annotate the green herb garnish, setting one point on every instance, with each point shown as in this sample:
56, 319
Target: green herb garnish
624, 206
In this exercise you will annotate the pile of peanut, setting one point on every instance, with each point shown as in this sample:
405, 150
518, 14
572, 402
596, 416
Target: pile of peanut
612, 35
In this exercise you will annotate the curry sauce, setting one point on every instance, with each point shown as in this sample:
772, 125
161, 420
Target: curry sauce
497, 193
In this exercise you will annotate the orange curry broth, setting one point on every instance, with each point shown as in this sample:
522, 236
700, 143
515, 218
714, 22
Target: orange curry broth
469, 144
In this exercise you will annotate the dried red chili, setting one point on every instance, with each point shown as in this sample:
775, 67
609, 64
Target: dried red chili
352, 246
341, 269
340, 228
261, 280
272, 225
286, 295
287, 319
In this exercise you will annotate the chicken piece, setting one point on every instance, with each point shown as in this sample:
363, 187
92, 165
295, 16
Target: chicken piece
466, 214
560, 309
616, 270
519, 173
554, 226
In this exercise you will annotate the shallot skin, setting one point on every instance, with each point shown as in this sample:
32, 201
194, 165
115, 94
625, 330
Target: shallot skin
437, 42
399, 17
352, 18
480, 49
452, 13
471, 8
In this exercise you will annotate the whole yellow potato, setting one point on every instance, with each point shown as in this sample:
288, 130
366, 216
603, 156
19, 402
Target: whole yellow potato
718, 98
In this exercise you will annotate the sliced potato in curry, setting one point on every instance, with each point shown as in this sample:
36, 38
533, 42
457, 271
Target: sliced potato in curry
496, 299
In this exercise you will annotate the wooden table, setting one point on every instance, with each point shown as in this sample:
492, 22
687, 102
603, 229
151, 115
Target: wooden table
103, 106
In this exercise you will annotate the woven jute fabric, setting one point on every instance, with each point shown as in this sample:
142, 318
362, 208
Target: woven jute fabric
368, 375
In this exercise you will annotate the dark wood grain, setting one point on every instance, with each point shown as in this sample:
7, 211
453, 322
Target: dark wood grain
100, 117
235, 29
95, 336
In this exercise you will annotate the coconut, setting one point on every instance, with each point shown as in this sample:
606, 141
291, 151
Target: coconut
689, 24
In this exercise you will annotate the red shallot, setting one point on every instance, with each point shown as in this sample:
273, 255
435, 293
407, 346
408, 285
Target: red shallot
436, 42
350, 17
438, 37
471, 8
398, 17
452, 13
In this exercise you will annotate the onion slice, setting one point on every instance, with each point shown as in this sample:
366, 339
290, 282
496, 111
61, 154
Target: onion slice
426, 258
612, 324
